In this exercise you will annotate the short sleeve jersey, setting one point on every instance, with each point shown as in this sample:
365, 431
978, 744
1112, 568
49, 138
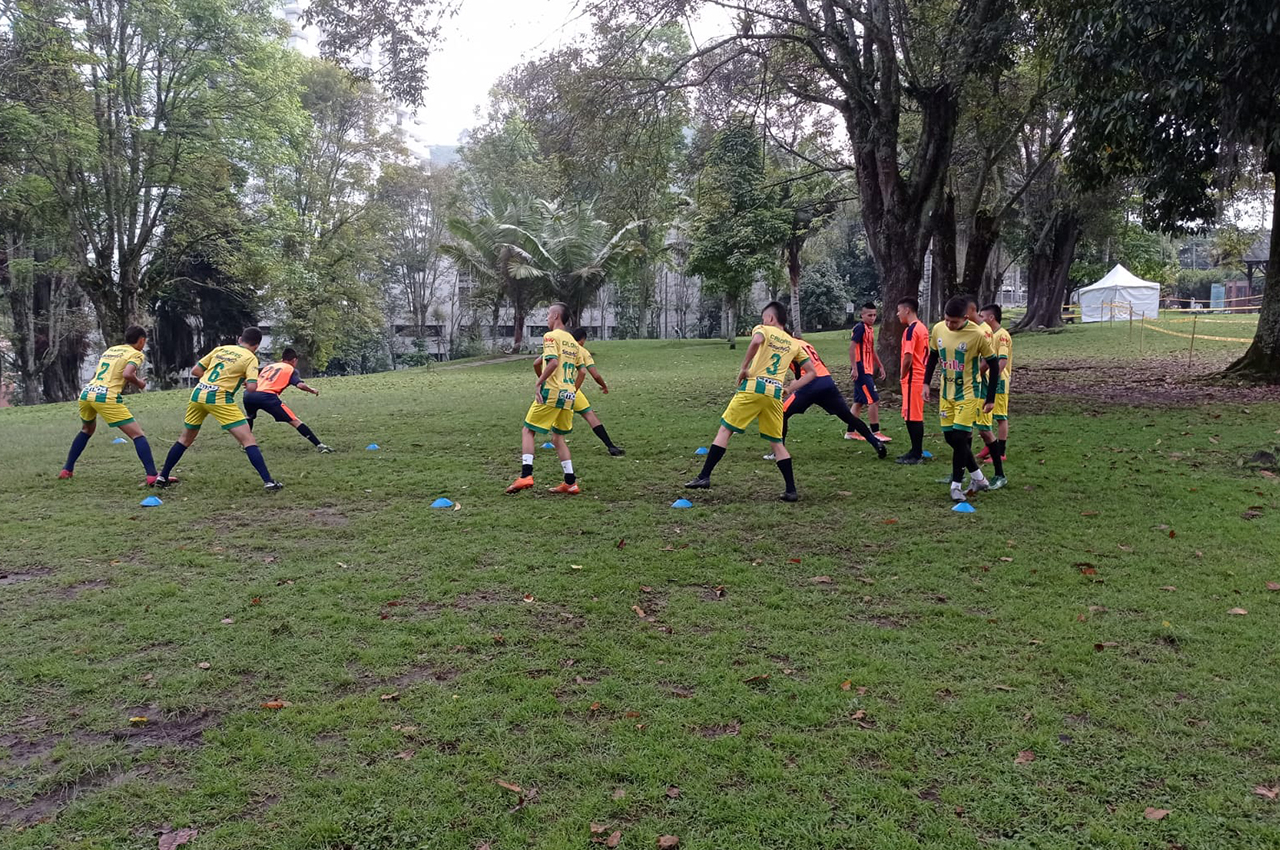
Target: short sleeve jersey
108, 378
559, 345
991, 340
959, 355
1004, 350
915, 350
864, 337
226, 369
585, 360
277, 378
768, 368
819, 368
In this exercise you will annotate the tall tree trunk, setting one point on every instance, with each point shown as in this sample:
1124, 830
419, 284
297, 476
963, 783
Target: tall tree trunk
982, 241
1262, 361
517, 319
730, 313
794, 245
1047, 273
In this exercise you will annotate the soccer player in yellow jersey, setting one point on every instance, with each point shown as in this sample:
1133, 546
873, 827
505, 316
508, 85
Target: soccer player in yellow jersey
985, 422
221, 373
553, 397
759, 396
102, 396
581, 405
959, 347
993, 315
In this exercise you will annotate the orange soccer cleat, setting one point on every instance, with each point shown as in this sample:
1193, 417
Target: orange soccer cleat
521, 484
567, 489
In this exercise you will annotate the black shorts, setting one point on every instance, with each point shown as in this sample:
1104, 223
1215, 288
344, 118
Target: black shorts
269, 403
822, 392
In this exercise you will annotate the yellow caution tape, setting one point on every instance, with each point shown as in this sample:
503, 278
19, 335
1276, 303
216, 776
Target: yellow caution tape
1199, 336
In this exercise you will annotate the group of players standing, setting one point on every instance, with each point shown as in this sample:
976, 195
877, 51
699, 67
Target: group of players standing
970, 347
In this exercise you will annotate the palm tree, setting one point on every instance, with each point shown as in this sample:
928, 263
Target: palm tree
480, 246
569, 252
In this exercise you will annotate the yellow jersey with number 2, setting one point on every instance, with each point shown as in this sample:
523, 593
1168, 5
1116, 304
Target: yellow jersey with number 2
769, 367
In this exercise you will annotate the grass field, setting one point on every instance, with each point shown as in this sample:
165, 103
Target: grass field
864, 669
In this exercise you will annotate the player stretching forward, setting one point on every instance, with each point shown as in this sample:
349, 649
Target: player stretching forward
985, 422
552, 408
824, 393
580, 404
992, 315
863, 363
117, 366
915, 355
769, 357
274, 380
960, 346
221, 373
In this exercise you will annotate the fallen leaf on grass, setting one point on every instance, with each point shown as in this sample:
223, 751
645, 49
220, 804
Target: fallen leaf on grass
598, 828
644, 588
276, 704
719, 591
204, 665
673, 791
575, 566
1108, 644
622, 543
619, 793
866, 580
1097, 609
639, 611
820, 580
1088, 513
1266, 473
1168, 587
1005, 688
1007, 560
226, 621
137, 721
891, 521
754, 679
595, 706
846, 685
257, 600
405, 754
1153, 813
170, 840
1025, 757
844, 492
1273, 585
614, 839
528, 597
391, 697
1087, 570
1239, 612
405, 728
1250, 514
666, 842
1267, 793
498, 638
631, 715
794, 560
510, 786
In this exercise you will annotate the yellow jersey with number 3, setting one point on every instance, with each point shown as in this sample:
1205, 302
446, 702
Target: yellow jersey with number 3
226, 369
108, 380
769, 367
960, 354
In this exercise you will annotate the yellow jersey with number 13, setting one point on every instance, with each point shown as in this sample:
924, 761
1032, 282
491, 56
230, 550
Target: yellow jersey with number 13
767, 369
226, 369
559, 386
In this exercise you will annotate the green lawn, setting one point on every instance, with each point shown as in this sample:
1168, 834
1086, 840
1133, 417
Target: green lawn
864, 669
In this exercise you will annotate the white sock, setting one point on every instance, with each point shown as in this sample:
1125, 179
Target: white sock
567, 466
526, 459
976, 475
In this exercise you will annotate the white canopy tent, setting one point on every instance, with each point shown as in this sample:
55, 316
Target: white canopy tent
1120, 292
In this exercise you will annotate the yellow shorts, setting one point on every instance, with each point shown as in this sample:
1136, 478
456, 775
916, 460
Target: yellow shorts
960, 415
545, 418
115, 413
227, 415
1001, 412
984, 421
744, 408
580, 403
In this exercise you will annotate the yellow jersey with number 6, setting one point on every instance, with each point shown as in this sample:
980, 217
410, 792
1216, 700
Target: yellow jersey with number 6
769, 367
226, 369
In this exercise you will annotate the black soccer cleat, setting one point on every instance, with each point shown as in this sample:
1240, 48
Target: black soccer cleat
698, 483
881, 451
910, 459
789, 496
617, 451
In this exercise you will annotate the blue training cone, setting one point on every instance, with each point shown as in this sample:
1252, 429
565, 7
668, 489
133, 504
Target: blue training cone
682, 503
442, 502
702, 450
548, 445
119, 440
926, 454
151, 502
964, 508
372, 447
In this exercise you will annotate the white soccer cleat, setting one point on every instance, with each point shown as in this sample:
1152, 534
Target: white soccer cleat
957, 492
770, 456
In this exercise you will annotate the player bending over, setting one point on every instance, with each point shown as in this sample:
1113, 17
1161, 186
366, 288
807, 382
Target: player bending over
274, 380
769, 358
823, 392
959, 346
221, 373
552, 408
102, 396
993, 315
580, 404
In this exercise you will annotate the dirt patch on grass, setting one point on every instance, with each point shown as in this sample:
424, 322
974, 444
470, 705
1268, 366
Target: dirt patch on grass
72, 591
17, 577
328, 518
882, 621
481, 598
1155, 382
47, 804
720, 731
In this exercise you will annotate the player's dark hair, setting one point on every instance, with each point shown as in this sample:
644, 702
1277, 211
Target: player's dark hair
253, 336
910, 302
779, 312
869, 306
579, 334
957, 307
133, 333
994, 309
289, 354
969, 299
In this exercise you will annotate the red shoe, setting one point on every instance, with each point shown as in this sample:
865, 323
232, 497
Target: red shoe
64, 474
849, 435
521, 484
882, 438
985, 455
987, 459
567, 489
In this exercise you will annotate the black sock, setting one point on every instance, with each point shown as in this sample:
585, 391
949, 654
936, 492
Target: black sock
713, 457
997, 458
306, 432
570, 478
1002, 444
957, 457
916, 430
784, 466
786, 421
966, 455
603, 435
175, 455
875, 427
526, 469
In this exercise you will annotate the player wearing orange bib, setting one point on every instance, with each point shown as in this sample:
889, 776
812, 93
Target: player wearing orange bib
863, 364
915, 357
102, 396
272, 381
